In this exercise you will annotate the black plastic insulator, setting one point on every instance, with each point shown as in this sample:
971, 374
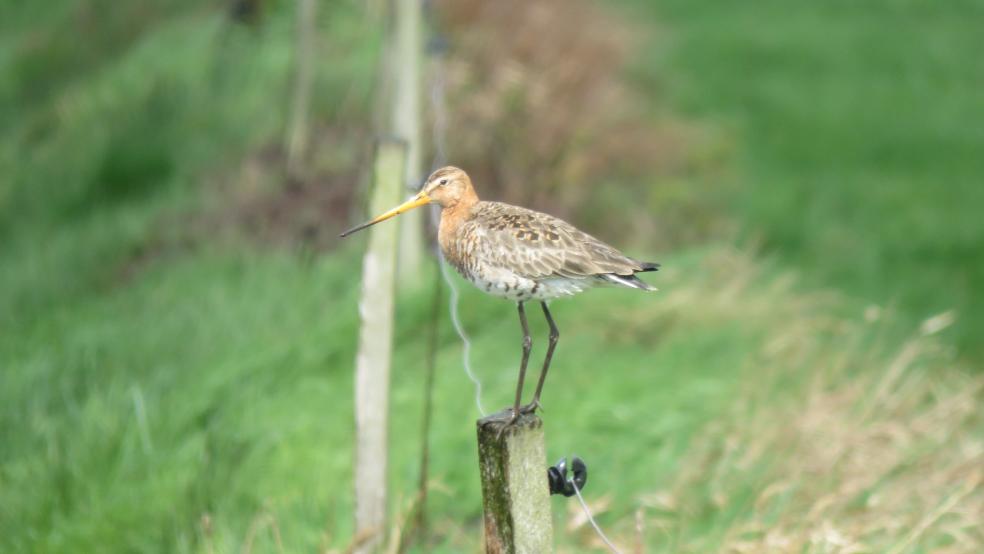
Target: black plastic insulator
559, 482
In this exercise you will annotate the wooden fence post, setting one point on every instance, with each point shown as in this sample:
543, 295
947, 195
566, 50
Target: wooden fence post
515, 491
406, 114
372, 366
299, 131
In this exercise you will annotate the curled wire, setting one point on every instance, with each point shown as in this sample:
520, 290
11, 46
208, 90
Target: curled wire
561, 483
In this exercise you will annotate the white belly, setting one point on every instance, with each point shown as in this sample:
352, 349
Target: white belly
506, 284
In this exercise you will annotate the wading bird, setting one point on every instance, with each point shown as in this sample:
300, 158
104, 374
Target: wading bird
518, 254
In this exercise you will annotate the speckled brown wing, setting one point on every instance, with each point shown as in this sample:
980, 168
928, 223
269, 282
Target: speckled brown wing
537, 245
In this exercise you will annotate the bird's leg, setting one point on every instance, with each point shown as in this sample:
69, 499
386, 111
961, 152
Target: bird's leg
554, 337
527, 347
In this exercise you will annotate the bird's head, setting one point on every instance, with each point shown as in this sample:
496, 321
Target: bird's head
446, 187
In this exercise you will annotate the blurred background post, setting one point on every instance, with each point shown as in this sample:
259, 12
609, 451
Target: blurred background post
374, 357
299, 132
405, 52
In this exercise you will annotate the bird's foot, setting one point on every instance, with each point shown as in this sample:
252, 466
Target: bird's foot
513, 419
531, 408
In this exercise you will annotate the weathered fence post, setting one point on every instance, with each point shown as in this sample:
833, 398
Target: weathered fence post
372, 365
406, 52
299, 131
515, 491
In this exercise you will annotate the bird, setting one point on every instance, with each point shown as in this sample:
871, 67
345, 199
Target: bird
518, 254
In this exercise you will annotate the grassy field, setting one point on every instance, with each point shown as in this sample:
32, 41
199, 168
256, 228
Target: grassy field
174, 415
168, 389
855, 160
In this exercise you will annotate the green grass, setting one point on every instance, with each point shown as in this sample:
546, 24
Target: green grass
157, 396
858, 148
219, 386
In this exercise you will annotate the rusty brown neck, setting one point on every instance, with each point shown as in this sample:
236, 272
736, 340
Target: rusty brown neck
452, 217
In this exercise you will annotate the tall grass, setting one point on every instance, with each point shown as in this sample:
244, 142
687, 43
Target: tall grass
856, 137
209, 403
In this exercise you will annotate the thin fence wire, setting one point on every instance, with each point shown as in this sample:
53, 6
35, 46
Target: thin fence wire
438, 112
439, 140
591, 519
466, 350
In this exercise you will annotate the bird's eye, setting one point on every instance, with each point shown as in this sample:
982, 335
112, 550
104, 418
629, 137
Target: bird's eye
443, 182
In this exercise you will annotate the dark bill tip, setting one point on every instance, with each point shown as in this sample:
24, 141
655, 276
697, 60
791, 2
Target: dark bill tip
357, 228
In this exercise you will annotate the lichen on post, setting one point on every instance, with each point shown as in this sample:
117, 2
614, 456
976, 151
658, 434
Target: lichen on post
515, 491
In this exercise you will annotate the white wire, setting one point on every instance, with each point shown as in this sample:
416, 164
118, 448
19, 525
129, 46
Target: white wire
439, 133
587, 512
466, 350
440, 114
439, 130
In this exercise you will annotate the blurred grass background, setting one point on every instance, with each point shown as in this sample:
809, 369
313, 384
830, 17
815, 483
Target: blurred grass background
177, 324
857, 164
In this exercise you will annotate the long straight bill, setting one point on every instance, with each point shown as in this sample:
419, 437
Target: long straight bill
417, 201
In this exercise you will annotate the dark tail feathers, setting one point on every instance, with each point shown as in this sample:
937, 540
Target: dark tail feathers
632, 281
